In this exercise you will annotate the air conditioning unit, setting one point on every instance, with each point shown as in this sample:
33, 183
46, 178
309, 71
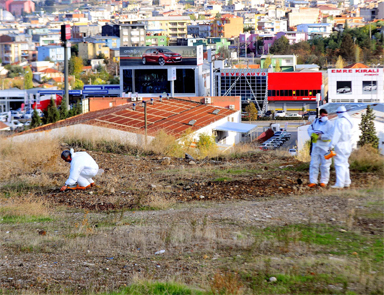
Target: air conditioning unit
139, 98
208, 100
133, 98
214, 132
231, 107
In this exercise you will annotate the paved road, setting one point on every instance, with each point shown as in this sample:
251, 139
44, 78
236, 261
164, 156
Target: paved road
292, 128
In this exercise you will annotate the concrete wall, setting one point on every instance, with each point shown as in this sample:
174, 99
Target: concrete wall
89, 132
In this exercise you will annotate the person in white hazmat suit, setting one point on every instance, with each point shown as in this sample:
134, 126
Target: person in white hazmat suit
320, 132
83, 168
341, 144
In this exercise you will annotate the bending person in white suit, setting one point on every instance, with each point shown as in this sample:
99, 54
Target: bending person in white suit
83, 168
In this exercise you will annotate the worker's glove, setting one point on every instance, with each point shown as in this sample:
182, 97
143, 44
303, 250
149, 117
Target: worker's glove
315, 137
63, 188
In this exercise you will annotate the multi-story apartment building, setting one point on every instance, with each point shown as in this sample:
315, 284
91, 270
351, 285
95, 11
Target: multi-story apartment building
172, 26
90, 50
81, 31
313, 30
303, 16
133, 35
227, 26
199, 30
272, 25
156, 40
52, 53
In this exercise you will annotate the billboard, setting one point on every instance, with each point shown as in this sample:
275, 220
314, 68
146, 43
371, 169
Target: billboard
344, 87
161, 56
156, 81
356, 85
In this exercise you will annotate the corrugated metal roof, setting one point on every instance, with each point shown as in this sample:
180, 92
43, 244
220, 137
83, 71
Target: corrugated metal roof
171, 115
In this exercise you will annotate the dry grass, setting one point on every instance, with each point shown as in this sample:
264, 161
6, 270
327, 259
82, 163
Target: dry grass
303, 154
158, 202
24, 207
18, 157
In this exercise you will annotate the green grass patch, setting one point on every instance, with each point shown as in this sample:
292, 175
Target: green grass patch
157, 288
331, 240
222, 179
18, 188
304, 166
236, 171
10, 219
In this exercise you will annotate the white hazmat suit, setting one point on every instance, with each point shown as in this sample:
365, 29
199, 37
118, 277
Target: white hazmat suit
341, 143
83, 168
324, 128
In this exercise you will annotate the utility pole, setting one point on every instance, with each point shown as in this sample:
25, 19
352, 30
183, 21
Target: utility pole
65, 36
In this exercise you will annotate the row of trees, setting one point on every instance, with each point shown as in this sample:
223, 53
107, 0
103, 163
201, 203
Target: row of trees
53, 113
365, 44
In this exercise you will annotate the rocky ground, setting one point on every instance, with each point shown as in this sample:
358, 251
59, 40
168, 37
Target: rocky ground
158, 218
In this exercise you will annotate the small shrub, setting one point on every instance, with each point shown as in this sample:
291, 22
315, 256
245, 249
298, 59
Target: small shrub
207, 145
166, 144
226, 283
367, 159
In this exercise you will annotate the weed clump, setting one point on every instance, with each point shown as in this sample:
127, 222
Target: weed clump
367, 159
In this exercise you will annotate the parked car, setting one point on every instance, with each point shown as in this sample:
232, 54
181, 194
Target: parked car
279, 114
294, 115
15, 125
344, 90
307, 114
268, 114
160, 56
27, 123
292, 152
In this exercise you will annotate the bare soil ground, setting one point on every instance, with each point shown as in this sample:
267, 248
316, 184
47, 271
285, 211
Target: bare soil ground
252, 216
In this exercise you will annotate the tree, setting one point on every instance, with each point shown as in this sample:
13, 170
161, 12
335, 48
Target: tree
63, 109
346, 25
267, 62
75, 65
368, 130
357, 53
52, 113
78, 108
75, 49
36, 121
252, 111
79, 85
224, 52
28, 84
347, 48
280, 46
277, 66
340, 63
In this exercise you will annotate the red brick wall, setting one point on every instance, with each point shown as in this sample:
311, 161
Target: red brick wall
99, 103
220, 101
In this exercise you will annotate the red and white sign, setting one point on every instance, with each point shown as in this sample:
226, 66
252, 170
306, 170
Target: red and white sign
65, 32
366, 72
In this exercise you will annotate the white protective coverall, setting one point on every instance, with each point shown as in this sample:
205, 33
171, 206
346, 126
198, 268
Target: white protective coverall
341, 142
83, 168
319, 149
